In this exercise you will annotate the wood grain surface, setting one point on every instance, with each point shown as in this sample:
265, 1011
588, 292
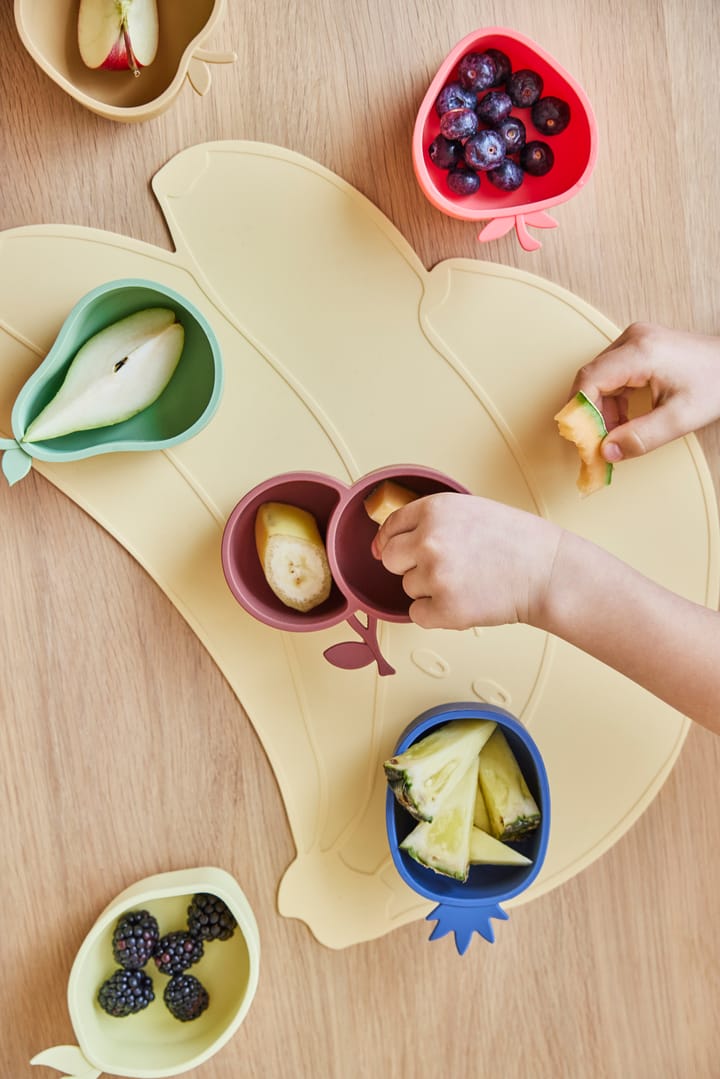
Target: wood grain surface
124, 752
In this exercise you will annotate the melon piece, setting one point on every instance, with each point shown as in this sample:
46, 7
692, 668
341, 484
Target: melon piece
582, 422
387, 497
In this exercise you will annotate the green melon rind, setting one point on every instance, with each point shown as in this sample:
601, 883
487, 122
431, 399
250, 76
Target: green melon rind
595, 471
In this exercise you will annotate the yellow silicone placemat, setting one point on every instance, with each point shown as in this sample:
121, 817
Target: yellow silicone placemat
342, 354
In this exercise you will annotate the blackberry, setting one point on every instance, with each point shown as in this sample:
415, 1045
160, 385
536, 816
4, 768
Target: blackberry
134, 939
175, 952
209, 918
185, 997
125, 993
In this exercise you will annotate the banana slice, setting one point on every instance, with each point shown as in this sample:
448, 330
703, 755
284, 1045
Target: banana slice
292, 555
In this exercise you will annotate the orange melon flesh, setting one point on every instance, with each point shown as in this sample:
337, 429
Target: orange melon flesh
384, 499
581, 422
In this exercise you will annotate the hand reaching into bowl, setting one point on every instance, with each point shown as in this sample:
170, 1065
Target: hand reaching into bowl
469, 561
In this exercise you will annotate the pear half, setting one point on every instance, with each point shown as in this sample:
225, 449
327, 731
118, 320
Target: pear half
116, 374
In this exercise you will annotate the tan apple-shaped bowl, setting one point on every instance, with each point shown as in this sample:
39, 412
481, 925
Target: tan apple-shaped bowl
49, 33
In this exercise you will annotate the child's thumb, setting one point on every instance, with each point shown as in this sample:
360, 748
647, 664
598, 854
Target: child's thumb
641, 435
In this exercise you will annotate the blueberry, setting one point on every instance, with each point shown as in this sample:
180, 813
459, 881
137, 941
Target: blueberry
502, 66
551, 115
513, 132
524, 88
507, 177
458, 123
537, 158
477, 71
493, 108
454, 96
463, 181
485, 150
445, 153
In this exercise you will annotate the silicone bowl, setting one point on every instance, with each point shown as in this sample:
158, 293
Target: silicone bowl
153, 1043
49, 33
575, 148
312, 491
362, 577
467, 907
360, 582
185, 406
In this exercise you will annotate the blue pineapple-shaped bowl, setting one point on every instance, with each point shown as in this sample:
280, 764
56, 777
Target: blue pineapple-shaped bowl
468, 907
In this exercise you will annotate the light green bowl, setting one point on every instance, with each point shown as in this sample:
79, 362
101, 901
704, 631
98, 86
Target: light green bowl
184, 407
153, 1043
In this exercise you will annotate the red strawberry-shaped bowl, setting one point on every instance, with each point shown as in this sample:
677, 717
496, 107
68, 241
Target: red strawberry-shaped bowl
574, 149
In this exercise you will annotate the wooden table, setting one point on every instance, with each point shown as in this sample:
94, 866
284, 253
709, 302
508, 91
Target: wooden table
105, 692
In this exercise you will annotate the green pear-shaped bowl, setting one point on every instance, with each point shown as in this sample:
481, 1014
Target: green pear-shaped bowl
184, 407
152, 1043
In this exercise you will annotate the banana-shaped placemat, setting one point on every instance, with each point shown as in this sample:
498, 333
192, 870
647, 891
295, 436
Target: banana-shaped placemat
343, 354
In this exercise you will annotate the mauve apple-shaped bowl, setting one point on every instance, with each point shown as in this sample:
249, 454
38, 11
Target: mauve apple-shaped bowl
315, 492
153, 1044
467, 907
185, 406
360, 581
48, 30
575, 148
360, 575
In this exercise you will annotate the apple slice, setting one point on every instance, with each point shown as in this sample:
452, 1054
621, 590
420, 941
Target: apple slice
116, 374
119, 35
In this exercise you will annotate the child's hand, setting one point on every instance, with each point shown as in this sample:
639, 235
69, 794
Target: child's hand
468, 561
682, 371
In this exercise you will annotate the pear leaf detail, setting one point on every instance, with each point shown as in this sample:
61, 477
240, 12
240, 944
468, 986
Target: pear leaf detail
68, 1059
15, 463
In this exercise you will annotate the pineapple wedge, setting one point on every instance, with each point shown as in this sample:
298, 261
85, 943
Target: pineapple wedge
480, 818
486, 850
443, 844
512, 810
426, 773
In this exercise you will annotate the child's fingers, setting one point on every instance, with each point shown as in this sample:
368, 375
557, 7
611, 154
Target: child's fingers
646, 433
621, 367
398, 553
